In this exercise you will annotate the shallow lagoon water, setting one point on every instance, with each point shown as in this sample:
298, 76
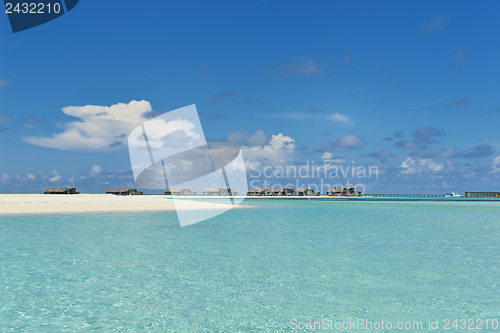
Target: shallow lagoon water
252, 269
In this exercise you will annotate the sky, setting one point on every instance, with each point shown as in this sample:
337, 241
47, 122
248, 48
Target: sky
409, 88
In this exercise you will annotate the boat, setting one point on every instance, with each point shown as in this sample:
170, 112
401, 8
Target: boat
452, 195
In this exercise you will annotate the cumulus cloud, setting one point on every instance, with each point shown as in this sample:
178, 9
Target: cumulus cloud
344, 143
279, 151
99, 128
495, 165
479, 152
447, 152
434, 24
5, 177
96, 170
258, 138
413, 166
30, 176
56, 177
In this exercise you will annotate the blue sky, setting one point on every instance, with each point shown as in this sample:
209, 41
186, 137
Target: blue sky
409, 87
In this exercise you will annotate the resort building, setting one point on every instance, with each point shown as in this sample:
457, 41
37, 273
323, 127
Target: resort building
219, 192
349, 191
482, 194
61, 190
335, 191
268, 192
301, 191
180, 192
253, 192
124, 191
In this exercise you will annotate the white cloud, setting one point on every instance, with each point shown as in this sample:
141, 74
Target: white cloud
329, 158
175, 133
99, 128
258, 138
419, 165
96, 170
56, 177
431, 165
279, 151
495, 165
346, 142
341, 118
30, 176
5, 177
282, 142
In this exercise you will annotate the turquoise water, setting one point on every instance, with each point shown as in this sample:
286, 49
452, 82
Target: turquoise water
252, 270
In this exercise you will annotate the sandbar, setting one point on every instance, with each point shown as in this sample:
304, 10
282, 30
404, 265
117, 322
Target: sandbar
77, 203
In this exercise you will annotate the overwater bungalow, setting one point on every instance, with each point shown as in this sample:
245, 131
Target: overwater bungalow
219, 192
255, 192
349, 191
301, 191
282, 191
180, 192
335, 191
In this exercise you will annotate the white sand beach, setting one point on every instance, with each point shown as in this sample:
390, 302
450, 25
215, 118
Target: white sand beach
43, 203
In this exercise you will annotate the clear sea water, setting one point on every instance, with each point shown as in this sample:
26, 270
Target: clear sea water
252, 270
